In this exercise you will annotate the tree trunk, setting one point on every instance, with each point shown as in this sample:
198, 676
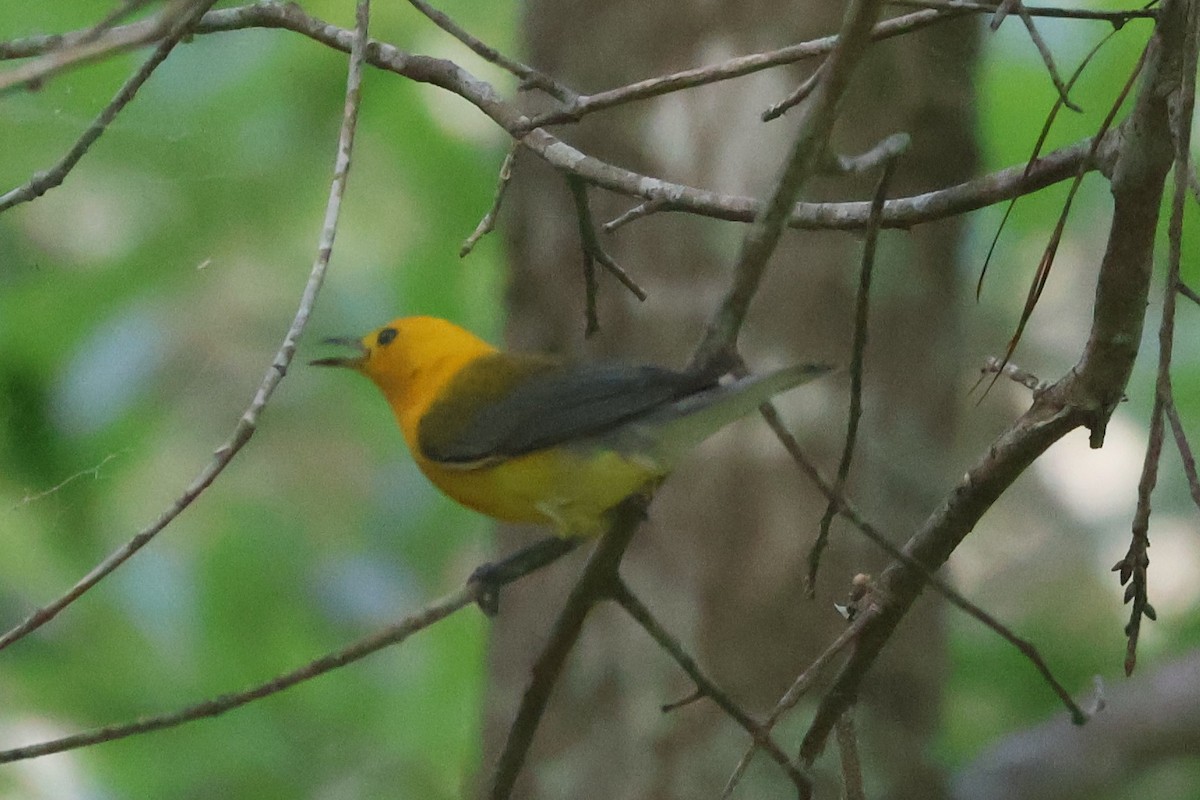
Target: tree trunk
722, 557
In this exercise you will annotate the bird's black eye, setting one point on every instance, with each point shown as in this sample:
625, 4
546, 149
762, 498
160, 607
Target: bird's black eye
386, 336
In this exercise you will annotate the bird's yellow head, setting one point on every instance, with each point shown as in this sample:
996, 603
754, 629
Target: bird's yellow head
410, 358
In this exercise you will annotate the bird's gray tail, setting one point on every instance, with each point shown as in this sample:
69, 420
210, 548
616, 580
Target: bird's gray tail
693, 419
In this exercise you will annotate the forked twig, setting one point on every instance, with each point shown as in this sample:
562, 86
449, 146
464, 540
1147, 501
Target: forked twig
593, 252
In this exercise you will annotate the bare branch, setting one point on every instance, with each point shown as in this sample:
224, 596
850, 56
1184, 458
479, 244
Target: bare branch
705, 686
811, 142
1133, 567
881, 155
593, 252
1117, 17
1042, 48
857, 353
85, 47
530, 77
993, 365
43, 182
916, 569
1042, 273
733, 68
797, 690
901, 213
248, 423
393, 634
1086, 396
1189, 293
796, 97
847, 739
637, 212
1185, 451
488, 223
1037, 149
593, 585
483, 584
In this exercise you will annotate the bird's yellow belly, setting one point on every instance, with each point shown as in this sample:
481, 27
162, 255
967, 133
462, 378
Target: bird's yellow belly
570, 489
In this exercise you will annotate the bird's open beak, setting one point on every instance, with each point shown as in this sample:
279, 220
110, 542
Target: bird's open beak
351, 361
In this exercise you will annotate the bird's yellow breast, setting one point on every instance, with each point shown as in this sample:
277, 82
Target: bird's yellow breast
569, 487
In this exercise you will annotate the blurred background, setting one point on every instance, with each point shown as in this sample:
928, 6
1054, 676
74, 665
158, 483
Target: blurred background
142, 301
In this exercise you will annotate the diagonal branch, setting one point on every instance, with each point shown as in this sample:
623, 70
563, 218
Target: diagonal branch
64, 52
530, 77
43, 182
857, 355
810, 145
1086, 396
393, 634
761, 734
594, 584
663, 195
248, 423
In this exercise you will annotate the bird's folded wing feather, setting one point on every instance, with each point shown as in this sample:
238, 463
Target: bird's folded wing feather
507, 405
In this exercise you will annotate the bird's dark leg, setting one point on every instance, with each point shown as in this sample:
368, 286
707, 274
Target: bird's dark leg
492, 576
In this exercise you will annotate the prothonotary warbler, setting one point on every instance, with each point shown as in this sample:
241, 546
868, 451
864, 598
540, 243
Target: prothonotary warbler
531, 438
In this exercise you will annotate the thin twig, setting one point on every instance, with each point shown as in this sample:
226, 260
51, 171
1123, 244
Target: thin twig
86, 47
886, 150
858, 349
847, 739
248, 423
114, 17
1117, 17
993, 365
1185, 450
733, 68
488, 223
758, 733
393, 634
591, 289
797, 690
1189, 293
902, 213
1037, 149
43, 182
639, 211
476, 590
917, 570
810, 144
593, 252
593, 585
1042, 273
1042, 48
529, 76
1133, 567
796, 97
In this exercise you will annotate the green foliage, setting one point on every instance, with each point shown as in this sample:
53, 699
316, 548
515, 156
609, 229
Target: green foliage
140, 305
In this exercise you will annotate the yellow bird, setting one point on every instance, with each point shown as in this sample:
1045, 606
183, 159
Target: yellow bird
530, 438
